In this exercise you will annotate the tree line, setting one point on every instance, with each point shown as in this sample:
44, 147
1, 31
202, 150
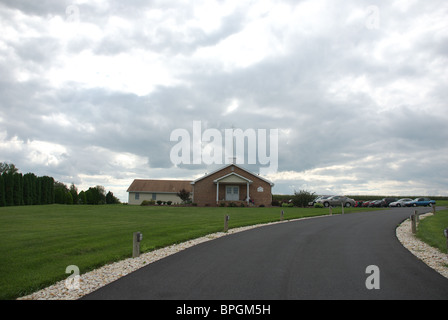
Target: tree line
17, 189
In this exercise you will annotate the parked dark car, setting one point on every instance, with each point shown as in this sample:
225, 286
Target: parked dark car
376, 203
387, 201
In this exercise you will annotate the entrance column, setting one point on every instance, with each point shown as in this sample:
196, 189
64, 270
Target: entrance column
247, 188
217, 192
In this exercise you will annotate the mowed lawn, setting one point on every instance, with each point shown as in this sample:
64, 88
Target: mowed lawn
430, 230
39, 242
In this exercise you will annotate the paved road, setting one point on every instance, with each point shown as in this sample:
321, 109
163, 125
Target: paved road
319, 258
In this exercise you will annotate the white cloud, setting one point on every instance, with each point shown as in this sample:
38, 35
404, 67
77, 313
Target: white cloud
234, 104
63, 120
135, 72
258, 40
36, 152
13, 144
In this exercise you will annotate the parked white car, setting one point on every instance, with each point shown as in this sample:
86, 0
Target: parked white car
400, 203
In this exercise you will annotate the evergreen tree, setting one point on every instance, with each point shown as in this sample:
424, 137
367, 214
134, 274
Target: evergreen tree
47, 190
60, 192
2, 192
74, 193
68, 198
17, 189
9, 188
82, 198
101, 194
29, 189
92, 196
111, 199
38, 190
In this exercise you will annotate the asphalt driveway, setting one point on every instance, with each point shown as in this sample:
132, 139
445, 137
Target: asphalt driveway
319, 258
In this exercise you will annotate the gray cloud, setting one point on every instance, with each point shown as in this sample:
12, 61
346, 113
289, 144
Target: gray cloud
358, 110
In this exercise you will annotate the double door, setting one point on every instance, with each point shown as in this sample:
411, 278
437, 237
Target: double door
232, 193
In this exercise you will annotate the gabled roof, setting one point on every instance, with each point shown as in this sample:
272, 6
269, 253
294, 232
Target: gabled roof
159, 186
235, 165
232, 174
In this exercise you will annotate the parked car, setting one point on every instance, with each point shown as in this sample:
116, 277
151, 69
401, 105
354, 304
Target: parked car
318, 198
376, 203
387, 201
366, 203
400, 202
420, 202
359, 203
337, 201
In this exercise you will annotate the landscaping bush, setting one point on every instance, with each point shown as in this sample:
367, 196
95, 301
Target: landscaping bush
318, 205
302, 198
285, 204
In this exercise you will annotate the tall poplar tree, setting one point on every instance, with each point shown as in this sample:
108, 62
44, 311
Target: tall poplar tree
2, 192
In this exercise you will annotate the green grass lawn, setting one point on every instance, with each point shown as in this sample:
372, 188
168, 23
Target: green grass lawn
431, 229
39, 242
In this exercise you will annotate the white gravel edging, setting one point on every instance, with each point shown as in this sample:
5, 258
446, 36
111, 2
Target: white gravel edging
429, 255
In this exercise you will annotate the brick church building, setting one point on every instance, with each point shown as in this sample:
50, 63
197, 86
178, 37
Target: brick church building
229, 184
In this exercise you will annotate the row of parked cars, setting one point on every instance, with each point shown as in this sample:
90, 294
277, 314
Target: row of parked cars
417, 202
333, 201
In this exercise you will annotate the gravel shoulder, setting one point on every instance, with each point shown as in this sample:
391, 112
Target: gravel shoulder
91, 281
429, 255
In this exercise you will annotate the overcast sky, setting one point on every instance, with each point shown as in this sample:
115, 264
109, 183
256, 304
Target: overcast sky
90, 91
